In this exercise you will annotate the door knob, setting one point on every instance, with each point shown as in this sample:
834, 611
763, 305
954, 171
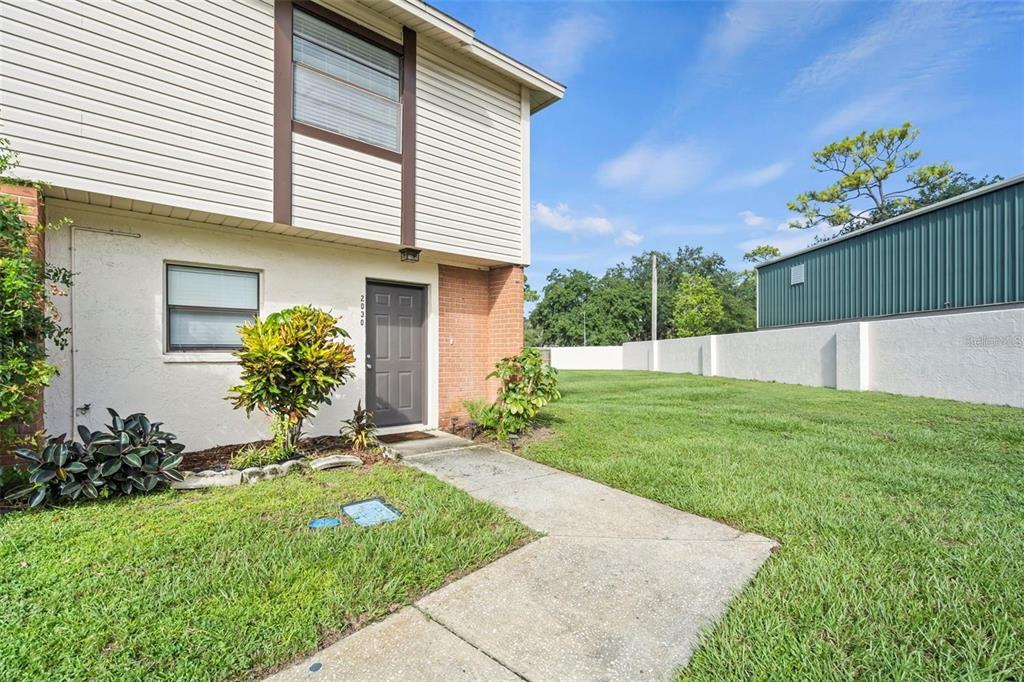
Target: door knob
369, 366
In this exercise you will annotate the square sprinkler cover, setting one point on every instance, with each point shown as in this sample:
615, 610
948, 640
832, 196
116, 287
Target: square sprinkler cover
370, 512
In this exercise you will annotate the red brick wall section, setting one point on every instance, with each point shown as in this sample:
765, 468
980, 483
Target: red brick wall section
506, 316
32, 204
481, 321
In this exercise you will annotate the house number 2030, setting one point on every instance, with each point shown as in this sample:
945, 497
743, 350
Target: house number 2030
362, 310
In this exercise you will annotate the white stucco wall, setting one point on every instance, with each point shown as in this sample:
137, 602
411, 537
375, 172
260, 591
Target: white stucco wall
587, 357
636, 355
976, 357
799, 355
116, 310
970, 356
689, 356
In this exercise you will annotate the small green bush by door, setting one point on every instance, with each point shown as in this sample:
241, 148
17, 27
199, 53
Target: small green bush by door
291, 361
133, 455
527, 385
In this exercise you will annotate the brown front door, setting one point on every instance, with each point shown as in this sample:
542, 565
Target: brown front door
395, 355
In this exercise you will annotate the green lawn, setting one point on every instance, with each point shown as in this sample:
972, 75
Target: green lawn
901, 519
225, 583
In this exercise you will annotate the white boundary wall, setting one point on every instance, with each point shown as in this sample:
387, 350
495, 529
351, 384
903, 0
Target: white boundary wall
587, 357
974, 357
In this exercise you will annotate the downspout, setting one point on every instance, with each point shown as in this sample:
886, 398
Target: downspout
71, 346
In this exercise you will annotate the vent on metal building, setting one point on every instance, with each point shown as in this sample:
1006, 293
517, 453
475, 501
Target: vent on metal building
796, 274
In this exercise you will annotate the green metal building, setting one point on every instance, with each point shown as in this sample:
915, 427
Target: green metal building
964, 252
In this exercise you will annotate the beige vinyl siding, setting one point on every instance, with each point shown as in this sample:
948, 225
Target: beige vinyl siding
468, 161
339, 190
165, 101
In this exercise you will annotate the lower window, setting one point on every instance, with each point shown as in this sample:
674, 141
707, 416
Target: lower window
205, 307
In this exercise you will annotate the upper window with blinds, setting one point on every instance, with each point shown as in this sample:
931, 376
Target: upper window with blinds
345, 84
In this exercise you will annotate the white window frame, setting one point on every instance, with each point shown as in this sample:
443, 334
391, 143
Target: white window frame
214, 351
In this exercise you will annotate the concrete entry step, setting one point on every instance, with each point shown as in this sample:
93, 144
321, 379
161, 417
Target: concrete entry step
440, 441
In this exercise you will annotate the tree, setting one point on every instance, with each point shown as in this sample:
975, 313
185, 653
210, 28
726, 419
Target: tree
291, 362
956, 184
617, 311
530, 294
698, 306
761, 254
671, 268
739, 302
559, 314
618, 304
27, 317
862, 195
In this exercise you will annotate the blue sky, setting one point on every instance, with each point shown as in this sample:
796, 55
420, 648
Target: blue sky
693, 122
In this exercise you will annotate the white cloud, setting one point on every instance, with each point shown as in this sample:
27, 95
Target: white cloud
561, 218
746, 29
656, 170
562, 48
628, 238
755, 178
788, 239
751, 219
911, 41
748, 23
873, 109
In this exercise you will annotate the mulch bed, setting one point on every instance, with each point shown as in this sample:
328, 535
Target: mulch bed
534, 435
402, 437
220, 456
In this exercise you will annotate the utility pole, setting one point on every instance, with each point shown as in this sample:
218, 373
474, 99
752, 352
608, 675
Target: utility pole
584, 324
654, 312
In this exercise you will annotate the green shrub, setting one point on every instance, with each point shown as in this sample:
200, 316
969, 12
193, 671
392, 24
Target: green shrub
59, 469
291, 362
253, 455
360, 432
27, 318
11, 477
484, 414
527, 385
133, 455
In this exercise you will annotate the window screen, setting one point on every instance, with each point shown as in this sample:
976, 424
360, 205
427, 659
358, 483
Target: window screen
345, 84
205, 307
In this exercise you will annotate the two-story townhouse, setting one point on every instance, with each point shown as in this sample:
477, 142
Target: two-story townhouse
219, 159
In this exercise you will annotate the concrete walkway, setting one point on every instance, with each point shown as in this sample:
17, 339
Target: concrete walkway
619, 588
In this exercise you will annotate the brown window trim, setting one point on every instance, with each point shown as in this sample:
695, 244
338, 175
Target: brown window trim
283, 87
349, 25
285, 126
408, 99
345, 141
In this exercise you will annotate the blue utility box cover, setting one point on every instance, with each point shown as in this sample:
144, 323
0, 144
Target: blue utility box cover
370, 512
